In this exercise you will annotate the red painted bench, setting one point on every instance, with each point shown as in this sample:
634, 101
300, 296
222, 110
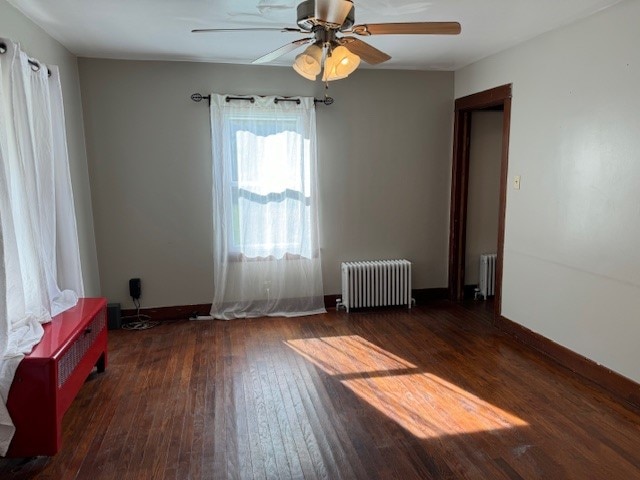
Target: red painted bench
48, 379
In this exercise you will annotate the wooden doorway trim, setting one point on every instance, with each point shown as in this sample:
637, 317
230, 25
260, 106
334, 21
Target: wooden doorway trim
495, 98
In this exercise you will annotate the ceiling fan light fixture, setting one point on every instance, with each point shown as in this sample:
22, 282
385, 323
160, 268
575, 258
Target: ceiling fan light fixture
309, 63
340, 64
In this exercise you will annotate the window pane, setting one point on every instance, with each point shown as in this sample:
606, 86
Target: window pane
270, 188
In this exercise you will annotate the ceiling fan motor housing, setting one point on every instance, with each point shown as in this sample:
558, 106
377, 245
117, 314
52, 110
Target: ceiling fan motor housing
307, 19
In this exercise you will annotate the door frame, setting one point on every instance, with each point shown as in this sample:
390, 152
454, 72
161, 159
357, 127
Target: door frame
492, 99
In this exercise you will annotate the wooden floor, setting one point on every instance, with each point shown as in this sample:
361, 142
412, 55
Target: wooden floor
431, 393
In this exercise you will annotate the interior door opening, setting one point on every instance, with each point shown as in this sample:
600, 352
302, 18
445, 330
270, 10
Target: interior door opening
462, 229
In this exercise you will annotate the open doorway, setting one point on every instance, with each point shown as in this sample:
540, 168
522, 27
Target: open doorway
496, 99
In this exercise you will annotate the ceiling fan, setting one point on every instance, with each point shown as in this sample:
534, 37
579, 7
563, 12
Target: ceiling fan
324, 20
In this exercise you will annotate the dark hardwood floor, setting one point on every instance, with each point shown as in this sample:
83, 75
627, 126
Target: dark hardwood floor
434, 393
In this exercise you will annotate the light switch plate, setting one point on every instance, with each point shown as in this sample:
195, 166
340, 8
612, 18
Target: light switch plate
516, 182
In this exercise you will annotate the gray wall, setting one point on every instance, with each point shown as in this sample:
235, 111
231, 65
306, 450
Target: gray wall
383, 161
571, 256
38, 44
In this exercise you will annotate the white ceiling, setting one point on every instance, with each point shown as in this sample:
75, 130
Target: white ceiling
161, 29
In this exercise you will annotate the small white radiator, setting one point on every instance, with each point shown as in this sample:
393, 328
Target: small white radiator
487, 282
376, 283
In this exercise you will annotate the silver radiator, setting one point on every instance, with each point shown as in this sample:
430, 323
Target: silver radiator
487, 281
376, 283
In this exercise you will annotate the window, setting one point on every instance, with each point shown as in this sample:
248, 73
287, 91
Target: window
270, 185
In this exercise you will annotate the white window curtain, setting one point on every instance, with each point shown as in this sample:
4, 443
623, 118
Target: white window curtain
265, 220
40, 273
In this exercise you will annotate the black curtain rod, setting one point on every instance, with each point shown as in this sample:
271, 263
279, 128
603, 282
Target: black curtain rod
197, 97
35, 65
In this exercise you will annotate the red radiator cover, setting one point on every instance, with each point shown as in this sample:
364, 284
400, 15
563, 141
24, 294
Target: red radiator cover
48, 379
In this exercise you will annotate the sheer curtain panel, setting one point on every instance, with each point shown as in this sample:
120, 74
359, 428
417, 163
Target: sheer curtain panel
266, 254
40, 274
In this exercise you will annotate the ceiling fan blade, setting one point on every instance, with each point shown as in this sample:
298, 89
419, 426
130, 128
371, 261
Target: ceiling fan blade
365, 51
415, 28
283, 50
332, 12
257, 29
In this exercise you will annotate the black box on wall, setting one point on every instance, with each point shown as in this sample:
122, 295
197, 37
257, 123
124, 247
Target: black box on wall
114, 319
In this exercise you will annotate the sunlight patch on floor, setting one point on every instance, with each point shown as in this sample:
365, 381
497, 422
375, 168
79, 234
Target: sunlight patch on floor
347, 354
422, 403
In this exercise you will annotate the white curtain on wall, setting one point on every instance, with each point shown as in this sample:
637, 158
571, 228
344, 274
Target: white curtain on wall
266, 254
40, 274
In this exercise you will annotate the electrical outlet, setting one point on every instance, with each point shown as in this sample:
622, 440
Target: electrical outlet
135, 288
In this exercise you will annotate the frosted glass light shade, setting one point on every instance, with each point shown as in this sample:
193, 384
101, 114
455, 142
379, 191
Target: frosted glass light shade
340, 64
307, 63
